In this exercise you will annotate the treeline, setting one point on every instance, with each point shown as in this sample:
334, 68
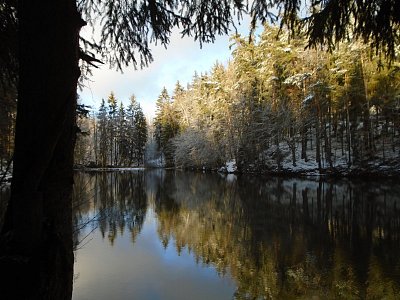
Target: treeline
278, 105
114, 136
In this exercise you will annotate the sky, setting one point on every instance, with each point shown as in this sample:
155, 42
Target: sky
176, 63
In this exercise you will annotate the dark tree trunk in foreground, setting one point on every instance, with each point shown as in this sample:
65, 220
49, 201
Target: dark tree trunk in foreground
36, 255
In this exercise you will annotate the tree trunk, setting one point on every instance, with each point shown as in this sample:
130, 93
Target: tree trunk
304, 136
348, 134
318, 142
36, 250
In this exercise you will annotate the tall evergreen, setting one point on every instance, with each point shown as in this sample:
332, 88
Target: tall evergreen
166, 125
102, 135
140, 135
122, 151
112, 128
131, 128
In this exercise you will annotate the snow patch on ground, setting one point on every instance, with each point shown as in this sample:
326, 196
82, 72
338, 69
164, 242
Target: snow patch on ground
158, 162
279, 159
230, 167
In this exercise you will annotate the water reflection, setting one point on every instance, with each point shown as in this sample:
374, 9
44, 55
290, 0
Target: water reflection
271, 237
4, 196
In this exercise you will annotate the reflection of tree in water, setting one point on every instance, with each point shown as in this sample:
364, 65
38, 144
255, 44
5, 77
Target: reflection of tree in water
164, 204
113, 202
287, 239
4, 196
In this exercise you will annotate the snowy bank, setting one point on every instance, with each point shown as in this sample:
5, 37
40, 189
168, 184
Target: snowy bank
280, 161
229, 167
110, 169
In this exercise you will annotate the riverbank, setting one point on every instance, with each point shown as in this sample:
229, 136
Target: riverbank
300, 170
369, 169
283, 162
107, 169
377, 167
373, 168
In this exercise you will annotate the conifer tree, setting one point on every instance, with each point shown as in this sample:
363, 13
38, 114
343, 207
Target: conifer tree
140, 135
112, 128
102, 134
166, 124
122, 151
131, 129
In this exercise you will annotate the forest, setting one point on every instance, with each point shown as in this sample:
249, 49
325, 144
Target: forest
275, 106
280, 106
114, 136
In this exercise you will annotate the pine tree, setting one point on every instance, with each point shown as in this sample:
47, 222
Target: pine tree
131, 129
140, 135
122, 152
162, 102
102, 134
112, 128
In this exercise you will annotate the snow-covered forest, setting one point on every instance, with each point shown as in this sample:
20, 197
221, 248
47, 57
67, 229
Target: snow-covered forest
276, 106
280, 106
113, 136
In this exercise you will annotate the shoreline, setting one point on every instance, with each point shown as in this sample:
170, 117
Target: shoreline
353, 172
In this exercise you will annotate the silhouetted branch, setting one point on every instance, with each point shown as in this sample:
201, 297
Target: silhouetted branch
89, 59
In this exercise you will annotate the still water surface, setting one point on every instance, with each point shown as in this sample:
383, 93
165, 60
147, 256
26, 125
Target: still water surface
180, 235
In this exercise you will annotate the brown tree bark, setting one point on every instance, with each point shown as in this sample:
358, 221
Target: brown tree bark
36, 251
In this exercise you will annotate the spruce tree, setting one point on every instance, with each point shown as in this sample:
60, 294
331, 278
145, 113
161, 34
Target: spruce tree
112, 128
103, 134
122, 152
131, 129
140, 135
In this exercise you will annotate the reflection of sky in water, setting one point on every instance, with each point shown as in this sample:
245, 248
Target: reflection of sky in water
144, 270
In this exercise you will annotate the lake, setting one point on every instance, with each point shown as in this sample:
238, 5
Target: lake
179, 235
